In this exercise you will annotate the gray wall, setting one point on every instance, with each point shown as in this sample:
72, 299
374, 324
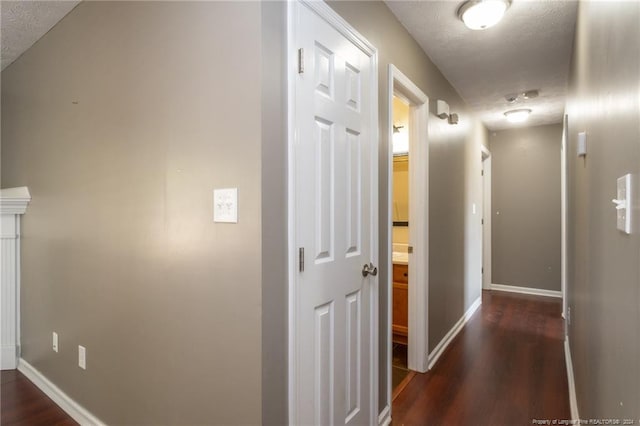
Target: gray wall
121, 121
525, 200
604, 271
120, 253
274, 216
454, 173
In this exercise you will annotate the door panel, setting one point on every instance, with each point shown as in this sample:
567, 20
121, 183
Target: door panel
335, 222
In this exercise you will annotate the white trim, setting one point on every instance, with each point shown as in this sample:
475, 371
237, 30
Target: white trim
564, 218
448, 338
384, 419
526, 290
291, 242
14, 200
13, 204
418, 337
486, 216
326, 13
64, 401
8, 357
573, 398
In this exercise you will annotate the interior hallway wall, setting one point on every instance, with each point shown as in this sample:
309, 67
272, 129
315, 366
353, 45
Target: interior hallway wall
121, 120
526, 219
604, 267
454, 176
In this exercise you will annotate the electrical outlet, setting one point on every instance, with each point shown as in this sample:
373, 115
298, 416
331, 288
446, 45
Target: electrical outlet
55, 342
82, 357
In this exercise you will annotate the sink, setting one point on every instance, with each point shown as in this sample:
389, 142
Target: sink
400, 258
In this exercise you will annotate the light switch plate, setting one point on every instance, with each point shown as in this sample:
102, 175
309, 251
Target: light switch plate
82, 357
225, 205
624, 203
582, 144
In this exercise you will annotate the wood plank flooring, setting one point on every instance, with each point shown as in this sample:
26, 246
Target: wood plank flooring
22, 403
506, 367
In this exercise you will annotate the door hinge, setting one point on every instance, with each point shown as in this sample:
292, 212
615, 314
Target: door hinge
482, 221
481, 172
410, 249
482, 269
301, 61
301, 259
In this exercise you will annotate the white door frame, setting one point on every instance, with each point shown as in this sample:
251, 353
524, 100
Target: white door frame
563, 220
326, 13
400, 84
486, 217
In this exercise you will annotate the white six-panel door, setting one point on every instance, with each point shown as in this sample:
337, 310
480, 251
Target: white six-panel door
334, 188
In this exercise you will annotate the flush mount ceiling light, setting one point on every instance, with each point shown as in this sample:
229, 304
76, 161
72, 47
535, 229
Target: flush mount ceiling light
482, 14
517, 115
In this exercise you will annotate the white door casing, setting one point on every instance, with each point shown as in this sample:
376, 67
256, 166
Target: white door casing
486, 217
400, 85
334, 218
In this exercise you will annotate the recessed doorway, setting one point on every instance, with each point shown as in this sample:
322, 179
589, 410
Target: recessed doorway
408, 244
401, 373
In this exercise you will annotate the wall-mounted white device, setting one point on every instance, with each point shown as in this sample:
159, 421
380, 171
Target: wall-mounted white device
623, 204
442, 109
582, 144
225, 205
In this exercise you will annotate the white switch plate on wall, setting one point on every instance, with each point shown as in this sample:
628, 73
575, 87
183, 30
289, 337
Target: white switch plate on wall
582, 144
82, 357
55, 342
623, 204
225, 205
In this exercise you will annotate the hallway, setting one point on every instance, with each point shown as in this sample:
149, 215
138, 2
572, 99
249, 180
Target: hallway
505, 367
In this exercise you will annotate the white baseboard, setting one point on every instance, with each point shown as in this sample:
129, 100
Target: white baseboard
8, 358
384, 419
71, 407
448, 338
526, 290
573, 398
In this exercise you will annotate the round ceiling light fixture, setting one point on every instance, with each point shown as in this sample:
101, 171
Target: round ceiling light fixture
482, 14
517, 115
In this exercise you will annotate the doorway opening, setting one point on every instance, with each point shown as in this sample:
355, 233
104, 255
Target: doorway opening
408, 248
401, 374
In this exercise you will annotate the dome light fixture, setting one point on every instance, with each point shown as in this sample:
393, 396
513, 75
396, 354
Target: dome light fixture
482, 14
517, 115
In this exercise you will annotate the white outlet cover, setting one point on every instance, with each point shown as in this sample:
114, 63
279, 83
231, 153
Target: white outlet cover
225, 205
55, 342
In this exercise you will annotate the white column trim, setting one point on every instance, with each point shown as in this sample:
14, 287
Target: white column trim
13, 203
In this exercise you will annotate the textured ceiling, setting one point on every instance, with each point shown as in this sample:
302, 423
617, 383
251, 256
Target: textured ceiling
529, 49
24, 22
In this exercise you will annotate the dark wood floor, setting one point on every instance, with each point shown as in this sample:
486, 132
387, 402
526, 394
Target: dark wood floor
506, 367
22, 403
